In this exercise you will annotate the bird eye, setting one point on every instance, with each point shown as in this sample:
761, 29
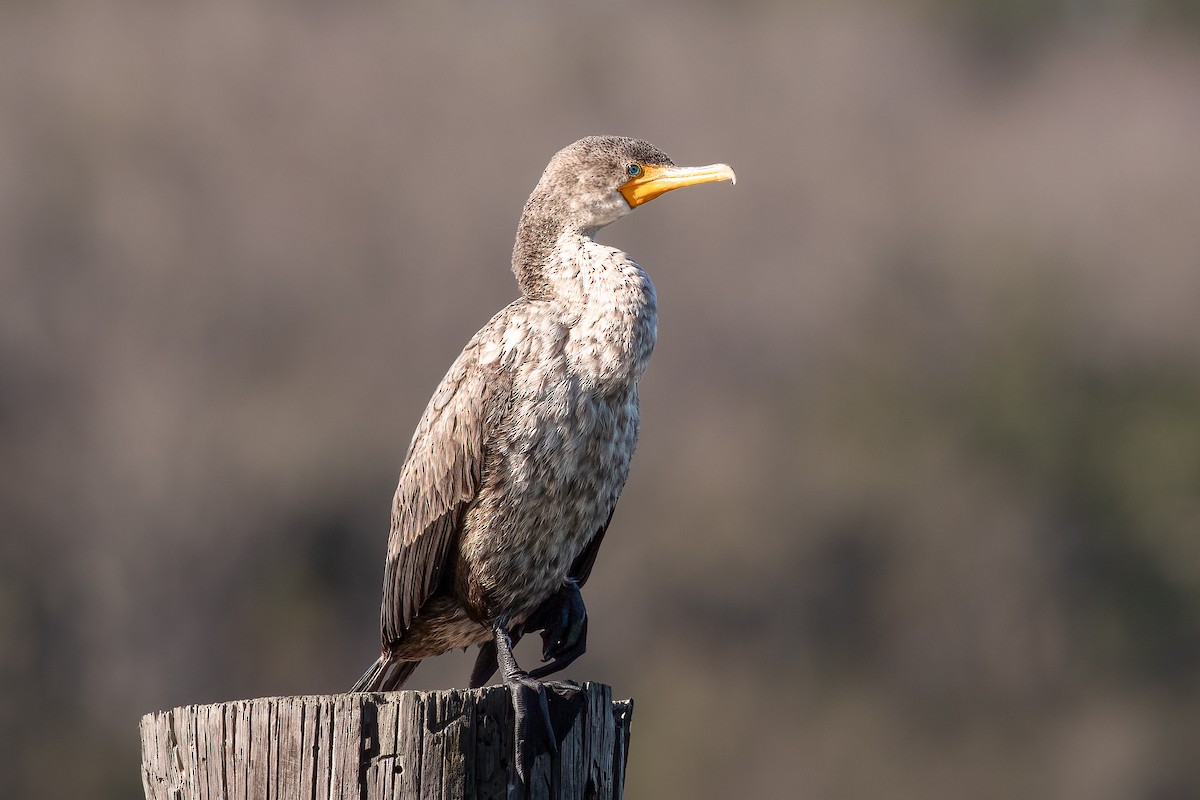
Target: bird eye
634, 170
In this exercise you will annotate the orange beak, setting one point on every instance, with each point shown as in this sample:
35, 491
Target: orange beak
656, 180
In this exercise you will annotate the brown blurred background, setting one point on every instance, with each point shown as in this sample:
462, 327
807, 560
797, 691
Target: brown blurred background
916, 512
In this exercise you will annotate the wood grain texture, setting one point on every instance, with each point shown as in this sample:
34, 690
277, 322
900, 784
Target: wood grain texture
386, 746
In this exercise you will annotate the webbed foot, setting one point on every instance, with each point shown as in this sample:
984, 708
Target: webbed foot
562, 618
531, 712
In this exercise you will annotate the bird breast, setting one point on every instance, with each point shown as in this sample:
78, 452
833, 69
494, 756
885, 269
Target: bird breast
609, 312
560, 460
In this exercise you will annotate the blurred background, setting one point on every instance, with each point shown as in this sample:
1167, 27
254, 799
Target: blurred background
916, 511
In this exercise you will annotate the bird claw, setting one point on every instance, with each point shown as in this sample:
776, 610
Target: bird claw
534, 730
563, 653
562, 618
542, 719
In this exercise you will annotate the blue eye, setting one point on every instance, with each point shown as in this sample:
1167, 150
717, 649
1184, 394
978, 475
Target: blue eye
634, 170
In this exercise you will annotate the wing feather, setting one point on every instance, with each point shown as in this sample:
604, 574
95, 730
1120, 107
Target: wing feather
581, 567
440, 478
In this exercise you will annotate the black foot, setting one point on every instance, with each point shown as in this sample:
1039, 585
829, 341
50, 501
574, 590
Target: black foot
486, 663
562, 618
541, 710
531, 712
534, 730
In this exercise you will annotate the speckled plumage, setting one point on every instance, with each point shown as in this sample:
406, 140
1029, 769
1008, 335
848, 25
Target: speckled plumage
524, 448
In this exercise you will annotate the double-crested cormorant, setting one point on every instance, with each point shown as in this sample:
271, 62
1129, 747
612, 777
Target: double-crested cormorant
519, 459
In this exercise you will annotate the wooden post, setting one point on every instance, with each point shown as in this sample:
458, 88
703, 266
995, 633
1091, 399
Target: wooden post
397, 745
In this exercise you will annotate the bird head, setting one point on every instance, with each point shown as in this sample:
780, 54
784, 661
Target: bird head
599, 179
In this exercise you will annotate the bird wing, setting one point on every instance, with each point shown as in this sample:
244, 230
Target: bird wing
581, 567
440, 478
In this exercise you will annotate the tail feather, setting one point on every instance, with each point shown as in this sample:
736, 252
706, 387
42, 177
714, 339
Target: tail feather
385, 675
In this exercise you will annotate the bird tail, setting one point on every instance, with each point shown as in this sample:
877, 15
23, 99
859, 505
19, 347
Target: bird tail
385, 675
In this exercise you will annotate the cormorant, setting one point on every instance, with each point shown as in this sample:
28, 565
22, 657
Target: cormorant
517, 463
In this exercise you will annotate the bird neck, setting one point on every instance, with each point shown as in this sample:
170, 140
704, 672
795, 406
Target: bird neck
548, 221
608, 300
538, 234
533, 256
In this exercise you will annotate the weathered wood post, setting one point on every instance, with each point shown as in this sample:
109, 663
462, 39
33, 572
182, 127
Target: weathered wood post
396, 745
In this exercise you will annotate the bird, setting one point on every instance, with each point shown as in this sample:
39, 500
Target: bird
518, 461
